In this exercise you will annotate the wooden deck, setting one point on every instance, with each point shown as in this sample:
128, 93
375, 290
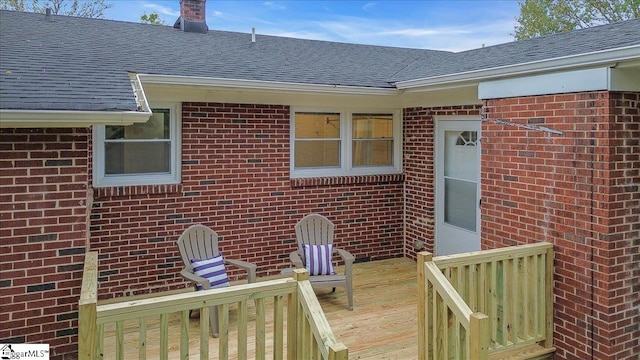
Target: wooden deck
382, 325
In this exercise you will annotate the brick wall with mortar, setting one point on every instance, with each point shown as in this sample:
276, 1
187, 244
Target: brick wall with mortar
43, 227
419, 170
536, 187
566, 169
235, 179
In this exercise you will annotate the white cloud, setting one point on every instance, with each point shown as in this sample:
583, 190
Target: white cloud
369, 7
423, 32
451, 34
162, 10
273, 5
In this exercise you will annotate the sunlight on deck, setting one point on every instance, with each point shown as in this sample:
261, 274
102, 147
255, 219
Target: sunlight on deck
382, 325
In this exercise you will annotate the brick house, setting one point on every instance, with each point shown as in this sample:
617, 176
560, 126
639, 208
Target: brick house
117, 136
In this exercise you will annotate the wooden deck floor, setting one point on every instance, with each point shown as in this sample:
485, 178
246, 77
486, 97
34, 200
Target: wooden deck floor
382, 325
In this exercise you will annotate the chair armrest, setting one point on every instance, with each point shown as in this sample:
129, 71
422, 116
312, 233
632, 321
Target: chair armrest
296, 259
348, 259
247, 266
346, 256
187, 274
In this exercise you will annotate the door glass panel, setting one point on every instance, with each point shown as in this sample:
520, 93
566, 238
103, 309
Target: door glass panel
460, 155
460, 203
460, 178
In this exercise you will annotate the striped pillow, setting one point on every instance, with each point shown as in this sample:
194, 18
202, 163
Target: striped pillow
212, 270
317, 259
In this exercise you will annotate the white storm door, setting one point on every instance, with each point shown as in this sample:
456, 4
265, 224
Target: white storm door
457, 186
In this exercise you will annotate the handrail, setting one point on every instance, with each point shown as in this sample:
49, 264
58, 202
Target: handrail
512, 285
509, 290
318, 325
304, 316
450, 296
441, 299
476, 257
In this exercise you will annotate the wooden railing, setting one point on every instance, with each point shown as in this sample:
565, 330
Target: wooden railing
308, 335
486, 304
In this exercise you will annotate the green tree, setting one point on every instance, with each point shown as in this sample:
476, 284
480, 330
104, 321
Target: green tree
153, 19
543, 17
81, 8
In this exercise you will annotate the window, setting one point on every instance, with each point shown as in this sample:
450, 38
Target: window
317, 140
138, 154
340, 143
372, 139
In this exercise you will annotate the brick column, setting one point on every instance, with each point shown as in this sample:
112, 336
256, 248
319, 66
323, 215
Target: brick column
566, 169
43, 227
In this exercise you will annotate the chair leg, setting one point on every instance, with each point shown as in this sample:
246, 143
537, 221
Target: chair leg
350, 294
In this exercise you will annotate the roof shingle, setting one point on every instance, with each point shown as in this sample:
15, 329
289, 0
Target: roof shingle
70, 63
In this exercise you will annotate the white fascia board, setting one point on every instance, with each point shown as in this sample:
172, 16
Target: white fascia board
61, 118
272, 86
625, 79
605, 78
563, 82
598, 58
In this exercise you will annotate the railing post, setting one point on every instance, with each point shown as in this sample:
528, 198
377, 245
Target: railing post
338, 352
479, 336
422, 297
548, 294
87, 314
294, 319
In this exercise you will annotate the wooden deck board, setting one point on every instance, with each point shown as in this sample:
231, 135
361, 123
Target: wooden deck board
382, 325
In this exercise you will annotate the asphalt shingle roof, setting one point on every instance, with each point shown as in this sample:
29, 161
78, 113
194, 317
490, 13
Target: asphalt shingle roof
69, 63
604, 37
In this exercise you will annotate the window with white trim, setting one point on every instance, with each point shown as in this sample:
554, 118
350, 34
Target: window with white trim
345, 142
139, 154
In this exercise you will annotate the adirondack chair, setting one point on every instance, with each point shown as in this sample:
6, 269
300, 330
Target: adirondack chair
201, 243
315, 233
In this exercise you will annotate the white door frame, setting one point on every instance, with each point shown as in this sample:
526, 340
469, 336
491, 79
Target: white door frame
441, 123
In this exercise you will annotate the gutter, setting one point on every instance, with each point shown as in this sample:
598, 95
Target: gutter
598, 58
65, 118
10, 118
270, 86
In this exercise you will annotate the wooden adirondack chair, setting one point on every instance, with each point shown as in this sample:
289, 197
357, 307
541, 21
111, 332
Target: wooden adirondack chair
200, 242
315, 229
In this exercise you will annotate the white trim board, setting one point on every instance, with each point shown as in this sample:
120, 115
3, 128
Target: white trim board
564, 82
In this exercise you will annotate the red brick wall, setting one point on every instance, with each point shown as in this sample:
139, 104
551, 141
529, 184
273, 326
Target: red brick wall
235, 179
43, 227
193, 10
566, 169
419, 170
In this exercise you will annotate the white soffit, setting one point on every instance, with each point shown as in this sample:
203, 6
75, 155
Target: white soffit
604, 78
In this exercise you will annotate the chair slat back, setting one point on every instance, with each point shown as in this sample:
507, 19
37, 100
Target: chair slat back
198, 242
314, 229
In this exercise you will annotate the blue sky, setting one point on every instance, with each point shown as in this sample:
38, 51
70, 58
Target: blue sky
442, 25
